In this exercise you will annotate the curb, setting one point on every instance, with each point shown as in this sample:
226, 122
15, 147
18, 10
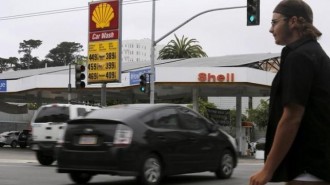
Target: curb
250, 160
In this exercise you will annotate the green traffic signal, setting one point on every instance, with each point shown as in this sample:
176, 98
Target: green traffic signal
143, 89
143, 83
252, 18
253, 12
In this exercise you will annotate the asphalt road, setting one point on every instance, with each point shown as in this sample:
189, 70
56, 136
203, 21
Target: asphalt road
19, 167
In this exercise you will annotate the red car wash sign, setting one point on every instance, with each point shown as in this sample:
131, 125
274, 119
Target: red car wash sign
103, 45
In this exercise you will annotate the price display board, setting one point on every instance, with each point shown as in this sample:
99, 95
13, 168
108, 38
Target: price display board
103, 62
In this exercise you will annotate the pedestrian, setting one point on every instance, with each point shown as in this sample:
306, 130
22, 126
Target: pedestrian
297, 149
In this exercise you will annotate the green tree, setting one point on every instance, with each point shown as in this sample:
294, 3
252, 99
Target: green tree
233, 118
64, 53
260, 115
3, 65
202, 106
232, 125
11, 62
26, 47
182, 48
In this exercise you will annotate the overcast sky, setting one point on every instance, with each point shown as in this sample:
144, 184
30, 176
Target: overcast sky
219, 33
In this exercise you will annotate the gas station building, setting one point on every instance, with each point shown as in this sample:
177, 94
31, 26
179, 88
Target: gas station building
246, 75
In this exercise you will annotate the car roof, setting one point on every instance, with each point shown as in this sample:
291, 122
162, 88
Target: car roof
67, 105
116, 112
8, 132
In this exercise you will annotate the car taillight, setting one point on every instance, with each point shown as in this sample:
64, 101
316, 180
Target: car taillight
59, 143
30, 128
123, 135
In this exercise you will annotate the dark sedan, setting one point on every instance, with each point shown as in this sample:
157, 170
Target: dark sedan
24, 138
148, 141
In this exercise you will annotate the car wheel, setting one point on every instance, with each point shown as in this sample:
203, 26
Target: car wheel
13, 144
44, 159
22, 145
80, 177
151, 171
226, 166
1, 145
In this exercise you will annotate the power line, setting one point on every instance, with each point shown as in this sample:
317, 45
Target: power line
50, 12
43, 13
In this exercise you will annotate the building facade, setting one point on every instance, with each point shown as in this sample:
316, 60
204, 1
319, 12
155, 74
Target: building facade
138, 50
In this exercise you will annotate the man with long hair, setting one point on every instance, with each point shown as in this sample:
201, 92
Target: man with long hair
297, 147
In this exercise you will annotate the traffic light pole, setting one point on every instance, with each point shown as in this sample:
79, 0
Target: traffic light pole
152, 56
193, 17
154, 43
103, 95
69, 85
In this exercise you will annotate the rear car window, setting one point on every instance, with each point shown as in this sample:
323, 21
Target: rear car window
53, 114
164, 118
82, 111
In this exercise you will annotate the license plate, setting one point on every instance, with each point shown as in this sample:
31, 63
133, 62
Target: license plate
88, 140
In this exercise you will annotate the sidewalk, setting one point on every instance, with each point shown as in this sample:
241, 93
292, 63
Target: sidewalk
17, 161
249, 159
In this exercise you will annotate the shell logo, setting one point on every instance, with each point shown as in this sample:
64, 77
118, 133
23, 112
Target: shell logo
102, 15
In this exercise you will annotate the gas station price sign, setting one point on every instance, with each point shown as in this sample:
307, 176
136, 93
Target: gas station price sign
103, 47
103, 62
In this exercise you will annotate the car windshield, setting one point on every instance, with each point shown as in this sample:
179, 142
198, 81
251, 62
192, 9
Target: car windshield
53, 114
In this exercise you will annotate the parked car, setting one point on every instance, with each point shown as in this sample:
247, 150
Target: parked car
24, 138
9, 138
148, 141
259, 144
48, 125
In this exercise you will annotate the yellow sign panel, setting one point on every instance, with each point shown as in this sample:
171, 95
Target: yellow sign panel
103, 61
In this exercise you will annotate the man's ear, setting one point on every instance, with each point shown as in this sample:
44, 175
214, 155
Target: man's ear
293, 22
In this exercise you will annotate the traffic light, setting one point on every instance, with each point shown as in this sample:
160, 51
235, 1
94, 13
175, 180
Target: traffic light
143, 83
80, 76
253, 12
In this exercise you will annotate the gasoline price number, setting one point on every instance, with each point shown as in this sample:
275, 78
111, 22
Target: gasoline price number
111, 75
110, 65
93, 76
93, 57
92, 66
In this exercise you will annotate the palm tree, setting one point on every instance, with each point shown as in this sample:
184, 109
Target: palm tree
182, 48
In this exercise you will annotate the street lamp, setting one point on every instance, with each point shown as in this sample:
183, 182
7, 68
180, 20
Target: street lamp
154, 43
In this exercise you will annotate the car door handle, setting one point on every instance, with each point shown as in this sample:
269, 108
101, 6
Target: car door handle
48, 128
192, 139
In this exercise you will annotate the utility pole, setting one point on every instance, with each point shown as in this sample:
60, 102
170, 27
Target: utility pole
154, 43
69, 85
152, 56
